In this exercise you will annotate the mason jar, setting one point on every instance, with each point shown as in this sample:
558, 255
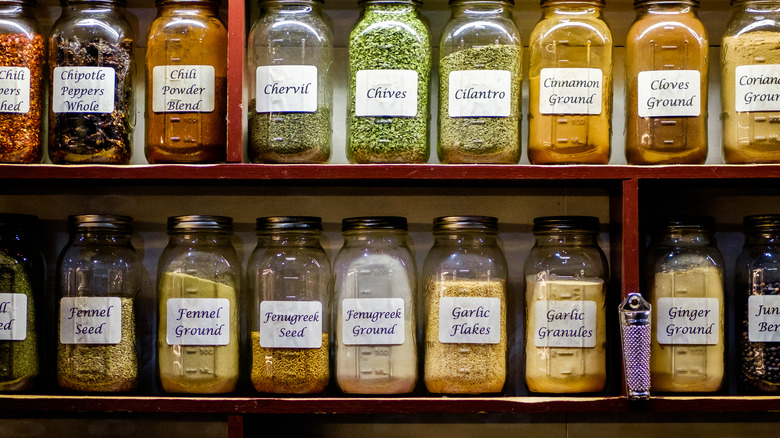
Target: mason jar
465, 278
198, 296
98, 278
290, 286
290, 60
570, 91
22, 272
389, 80
566, 277
375, 311
186, 83
684, 281
666, 72
750, 69
91, 114
21, 67
757, 305
480, 84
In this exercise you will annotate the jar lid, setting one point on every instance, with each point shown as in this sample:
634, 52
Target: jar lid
679, 223
260, 2
216, 3
761, 222
103, 222
511, 2
121, 3
684, 2
289, 223
374, 223
455, 223
600, 3
397, 2
198, 222
566, 223
30, 3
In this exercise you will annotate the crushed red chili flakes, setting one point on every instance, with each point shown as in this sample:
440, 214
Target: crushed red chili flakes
20, 133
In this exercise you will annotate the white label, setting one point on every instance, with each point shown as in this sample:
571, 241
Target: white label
467, 320
183, 89
13, 317
764, 318
286, 88
372, 321
386, 93
565, 324
83, 90
480, 93
757, 87
291, 324
90, 320
688, 321
669, 93
14, 89
198, 321
570, 91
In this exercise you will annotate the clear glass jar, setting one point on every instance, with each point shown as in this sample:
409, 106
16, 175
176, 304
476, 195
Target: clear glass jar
98, 278
570, 91
749, 57
684, 281
186, 83
465, 277
480, 84
198, 286
666, 76
566, 277
290, 57
22, 272
375, 308
22, 58
91, 112
757, 305
290, 286
389, 81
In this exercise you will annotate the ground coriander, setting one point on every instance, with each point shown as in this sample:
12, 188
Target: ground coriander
290, 370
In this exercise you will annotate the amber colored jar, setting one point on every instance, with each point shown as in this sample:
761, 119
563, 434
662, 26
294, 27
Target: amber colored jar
186, 51
570, 94
666, 76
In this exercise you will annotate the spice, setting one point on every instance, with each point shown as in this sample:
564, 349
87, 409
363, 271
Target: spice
464, 367
760, 361
20, 130
565, 356
290, 370
481, 139
388, 125
207, 368
92, 137
18, 358
750, 124
290, 137
101, 367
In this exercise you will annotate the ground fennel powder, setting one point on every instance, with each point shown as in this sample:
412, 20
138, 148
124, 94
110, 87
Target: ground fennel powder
290, 370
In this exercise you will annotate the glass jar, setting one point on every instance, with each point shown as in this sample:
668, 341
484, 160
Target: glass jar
375, 308
480, 84
757, 305
749, 57
570, 91
290, 56
465, 276
98, 278
684, 281
666, 76
91, 114
22, 272
389, 77
22, 57
566, 276
198, 284
290, 283
186, 83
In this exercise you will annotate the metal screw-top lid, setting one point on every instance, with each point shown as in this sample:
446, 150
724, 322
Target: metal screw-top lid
600, 3
100, 222
28, 3
374, 223
511, 2
694, 3
198, 222
289, 223
761, 222
397, 2
704, 224
566, 223
120, 3
456, 223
